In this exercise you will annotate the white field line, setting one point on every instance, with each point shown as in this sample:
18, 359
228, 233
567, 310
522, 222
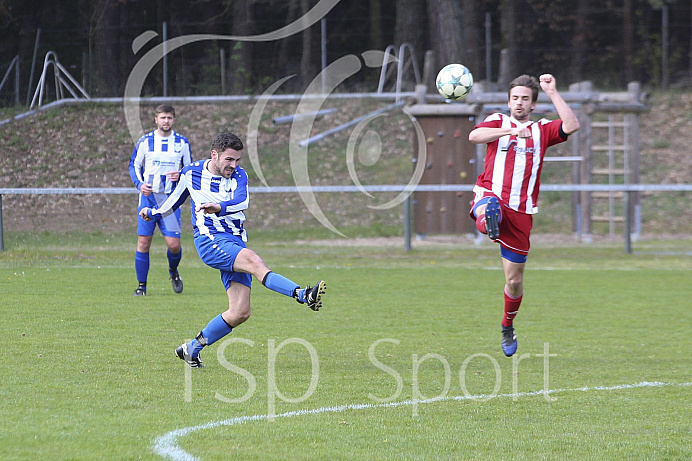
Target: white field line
167, 444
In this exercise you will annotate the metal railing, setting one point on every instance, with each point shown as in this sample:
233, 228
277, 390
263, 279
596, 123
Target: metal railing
627, 189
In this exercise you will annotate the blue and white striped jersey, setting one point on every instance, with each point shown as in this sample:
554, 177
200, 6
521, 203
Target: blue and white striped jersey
198, 183
155, 156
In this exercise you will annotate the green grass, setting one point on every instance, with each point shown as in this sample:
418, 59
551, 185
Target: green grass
90, 372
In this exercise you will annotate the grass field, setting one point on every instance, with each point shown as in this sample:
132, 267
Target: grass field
402, 362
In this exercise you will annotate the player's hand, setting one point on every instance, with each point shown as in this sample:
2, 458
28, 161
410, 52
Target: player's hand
521, 132
547, 82
208, 207
144, 214
145, 189
173, 175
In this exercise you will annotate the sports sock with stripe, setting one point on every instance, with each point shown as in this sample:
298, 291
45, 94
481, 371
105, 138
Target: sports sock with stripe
280, 284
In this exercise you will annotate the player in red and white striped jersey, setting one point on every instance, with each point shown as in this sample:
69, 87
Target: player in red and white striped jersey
506, 193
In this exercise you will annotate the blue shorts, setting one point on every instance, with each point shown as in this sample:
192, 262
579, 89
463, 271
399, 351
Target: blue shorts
220, 252
169, 226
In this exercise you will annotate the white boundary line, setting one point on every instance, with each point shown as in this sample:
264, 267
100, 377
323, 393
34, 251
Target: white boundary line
167, 444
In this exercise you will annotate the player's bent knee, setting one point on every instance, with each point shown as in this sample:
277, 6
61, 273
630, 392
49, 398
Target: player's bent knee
235, 318
515, 287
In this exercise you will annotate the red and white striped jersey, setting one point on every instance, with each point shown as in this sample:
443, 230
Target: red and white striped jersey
513, 165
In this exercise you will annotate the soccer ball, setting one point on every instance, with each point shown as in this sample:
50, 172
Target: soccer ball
454, 82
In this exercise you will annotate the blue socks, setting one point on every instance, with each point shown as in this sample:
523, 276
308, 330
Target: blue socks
216, 329
280, 284
173, 261
142, 266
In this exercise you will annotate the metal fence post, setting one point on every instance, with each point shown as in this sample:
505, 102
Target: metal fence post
628, 223
2, 238
407, 223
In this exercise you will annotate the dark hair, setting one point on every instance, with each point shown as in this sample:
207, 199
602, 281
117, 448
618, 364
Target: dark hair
223, 141
527, 81
165, 108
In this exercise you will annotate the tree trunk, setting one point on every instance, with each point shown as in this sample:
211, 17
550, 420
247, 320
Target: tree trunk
375, 31
409, 16
285, 60
306, 66
446, 32
508, 27
240, 58
106, 31
472, 49
627, 41
579, 41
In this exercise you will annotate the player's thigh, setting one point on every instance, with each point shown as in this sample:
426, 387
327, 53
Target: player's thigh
170, 225
219, 251
145, 228
250, 262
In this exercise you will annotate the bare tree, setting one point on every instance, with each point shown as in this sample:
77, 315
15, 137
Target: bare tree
472, 49
306, 72
375, 7
579, 41
105, 30
627, 40
508, 28
446, 32
240, 59
409, 28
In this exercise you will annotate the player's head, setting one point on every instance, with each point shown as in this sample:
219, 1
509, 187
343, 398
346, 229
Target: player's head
164, 119
523, 93
529, 82
226, 151
223, 141
164, 108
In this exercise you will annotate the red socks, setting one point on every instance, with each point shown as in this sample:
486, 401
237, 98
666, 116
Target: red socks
480, 224
511, 308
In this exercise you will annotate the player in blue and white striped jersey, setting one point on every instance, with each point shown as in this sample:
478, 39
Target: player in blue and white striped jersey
155, 167
218, 191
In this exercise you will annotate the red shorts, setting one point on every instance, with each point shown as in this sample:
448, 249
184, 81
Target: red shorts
515, 227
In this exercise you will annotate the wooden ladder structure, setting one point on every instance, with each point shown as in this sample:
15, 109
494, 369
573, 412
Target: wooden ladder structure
610, 161
609, 146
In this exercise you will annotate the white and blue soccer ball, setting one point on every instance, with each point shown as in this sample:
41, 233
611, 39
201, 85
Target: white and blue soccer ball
454, 81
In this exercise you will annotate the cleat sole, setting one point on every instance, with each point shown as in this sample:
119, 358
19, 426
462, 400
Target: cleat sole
492, 218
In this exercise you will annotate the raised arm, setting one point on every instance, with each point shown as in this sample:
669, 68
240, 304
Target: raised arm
570, 123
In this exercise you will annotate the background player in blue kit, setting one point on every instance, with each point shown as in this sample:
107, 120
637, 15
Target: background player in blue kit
155, 167
218, 191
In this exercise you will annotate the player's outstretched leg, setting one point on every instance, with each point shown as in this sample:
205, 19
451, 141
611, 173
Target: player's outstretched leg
509, 341
216, 329
312, 296
183, 353
492, 218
